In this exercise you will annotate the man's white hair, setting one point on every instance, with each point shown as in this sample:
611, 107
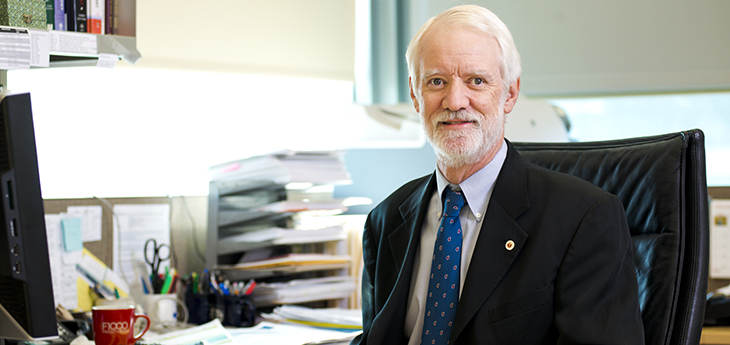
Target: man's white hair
481, 19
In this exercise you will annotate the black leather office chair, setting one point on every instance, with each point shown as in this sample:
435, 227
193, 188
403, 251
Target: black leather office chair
662, 183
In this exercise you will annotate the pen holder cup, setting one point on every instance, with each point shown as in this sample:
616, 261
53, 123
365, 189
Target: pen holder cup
163, 310
201, 307
236, 311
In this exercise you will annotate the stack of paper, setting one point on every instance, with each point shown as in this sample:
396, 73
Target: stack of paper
321, 208
278, 236
318, 167
294, 263
271, 333
303, 290
325, 317
213, 333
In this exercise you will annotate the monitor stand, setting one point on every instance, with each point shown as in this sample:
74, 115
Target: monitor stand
10, 329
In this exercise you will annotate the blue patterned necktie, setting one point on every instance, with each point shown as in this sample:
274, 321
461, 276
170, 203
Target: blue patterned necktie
443, 285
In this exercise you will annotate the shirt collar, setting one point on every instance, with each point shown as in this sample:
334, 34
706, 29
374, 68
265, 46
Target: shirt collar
478, 187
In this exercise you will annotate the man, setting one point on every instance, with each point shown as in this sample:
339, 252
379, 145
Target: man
531, 256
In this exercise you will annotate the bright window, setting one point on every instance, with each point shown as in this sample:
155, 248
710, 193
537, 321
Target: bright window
136, 132
632, 116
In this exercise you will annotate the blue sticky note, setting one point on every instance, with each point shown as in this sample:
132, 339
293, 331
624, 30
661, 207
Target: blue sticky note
72, 234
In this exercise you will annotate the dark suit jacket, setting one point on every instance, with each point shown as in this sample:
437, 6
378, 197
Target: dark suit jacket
569, 279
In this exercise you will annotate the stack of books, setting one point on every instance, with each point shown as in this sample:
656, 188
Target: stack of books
114, 17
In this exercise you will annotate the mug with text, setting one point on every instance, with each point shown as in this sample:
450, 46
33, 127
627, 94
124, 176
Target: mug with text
114, 325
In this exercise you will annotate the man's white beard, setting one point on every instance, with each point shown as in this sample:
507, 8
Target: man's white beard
463, 149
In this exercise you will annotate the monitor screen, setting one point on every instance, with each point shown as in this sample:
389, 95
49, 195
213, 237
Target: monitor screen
27, 308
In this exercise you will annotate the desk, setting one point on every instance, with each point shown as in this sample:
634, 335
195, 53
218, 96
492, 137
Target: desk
715, 335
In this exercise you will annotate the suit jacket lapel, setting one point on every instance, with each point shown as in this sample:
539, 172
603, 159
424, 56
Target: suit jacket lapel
405, 238
491, 259
403, 241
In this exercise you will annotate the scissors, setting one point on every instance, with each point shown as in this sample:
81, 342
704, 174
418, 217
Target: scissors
158, 256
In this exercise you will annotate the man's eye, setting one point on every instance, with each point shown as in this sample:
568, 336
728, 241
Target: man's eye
436, 82
478, 81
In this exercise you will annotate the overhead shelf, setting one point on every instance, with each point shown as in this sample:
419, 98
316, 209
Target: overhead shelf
70, 49
24, 48
64, 46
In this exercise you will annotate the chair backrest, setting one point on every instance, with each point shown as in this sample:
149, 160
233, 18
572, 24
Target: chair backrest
662, 183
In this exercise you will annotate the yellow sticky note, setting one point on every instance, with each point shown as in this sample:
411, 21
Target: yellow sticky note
85, 295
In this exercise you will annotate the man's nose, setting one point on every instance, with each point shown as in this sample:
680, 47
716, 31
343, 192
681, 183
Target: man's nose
456, 97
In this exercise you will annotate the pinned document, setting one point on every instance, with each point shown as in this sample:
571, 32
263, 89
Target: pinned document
90, 221
719, 238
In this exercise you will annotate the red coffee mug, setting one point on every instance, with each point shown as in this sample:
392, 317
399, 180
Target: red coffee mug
114, 324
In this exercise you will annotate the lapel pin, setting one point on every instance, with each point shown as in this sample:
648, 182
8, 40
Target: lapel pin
509, 245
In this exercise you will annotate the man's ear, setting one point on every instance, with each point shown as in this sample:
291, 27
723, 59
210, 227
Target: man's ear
512, 93
413, 96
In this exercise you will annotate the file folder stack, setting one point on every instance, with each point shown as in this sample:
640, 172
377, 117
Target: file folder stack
315, 167
262, 210
303, 290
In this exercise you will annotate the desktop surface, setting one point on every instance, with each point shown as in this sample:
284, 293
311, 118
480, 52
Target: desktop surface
715, 335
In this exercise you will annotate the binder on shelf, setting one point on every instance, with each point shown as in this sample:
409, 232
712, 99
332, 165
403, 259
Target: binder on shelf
76, 15
59, 15
81, 16
95, 18
50, 14
109, 16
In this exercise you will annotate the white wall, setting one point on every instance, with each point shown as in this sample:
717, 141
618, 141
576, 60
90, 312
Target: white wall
577, 47
312, 38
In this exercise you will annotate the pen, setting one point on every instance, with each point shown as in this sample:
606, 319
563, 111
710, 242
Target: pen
100, 287
213, 285
249, 289
144, 286
223, 289
204, 282
173, 285
168, 280
98, 292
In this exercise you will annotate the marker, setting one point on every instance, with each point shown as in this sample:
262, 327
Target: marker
249, 289
168, 281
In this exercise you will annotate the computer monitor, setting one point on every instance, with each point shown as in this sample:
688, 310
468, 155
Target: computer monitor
27, 308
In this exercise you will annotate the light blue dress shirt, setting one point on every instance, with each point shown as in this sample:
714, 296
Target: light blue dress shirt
477, 190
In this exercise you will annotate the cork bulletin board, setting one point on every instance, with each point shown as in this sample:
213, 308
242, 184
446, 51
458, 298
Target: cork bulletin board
103, 249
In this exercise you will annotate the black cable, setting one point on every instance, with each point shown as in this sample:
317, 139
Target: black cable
194, 232
119, 243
